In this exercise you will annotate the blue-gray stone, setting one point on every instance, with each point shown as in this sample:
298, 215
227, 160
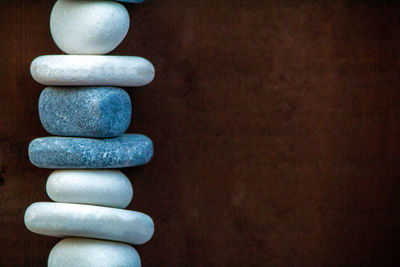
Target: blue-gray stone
127, 150
99, 112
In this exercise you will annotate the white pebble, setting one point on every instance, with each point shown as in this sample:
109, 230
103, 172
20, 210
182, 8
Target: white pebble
66, 220
110, 188
88, 27
80, 70
82, 252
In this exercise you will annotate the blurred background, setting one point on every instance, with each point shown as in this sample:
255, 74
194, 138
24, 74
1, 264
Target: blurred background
276, 127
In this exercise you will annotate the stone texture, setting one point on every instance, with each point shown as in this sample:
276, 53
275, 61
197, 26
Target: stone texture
88, 27
76, 220
127, 150
92, 70
86, 111
83, 252
295, 124
109, 188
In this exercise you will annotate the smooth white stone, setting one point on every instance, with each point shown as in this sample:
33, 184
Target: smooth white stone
82, 252
85, 27
79, 70
110, 188
66, 220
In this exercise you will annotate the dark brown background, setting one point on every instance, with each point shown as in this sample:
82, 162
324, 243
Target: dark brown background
276, 127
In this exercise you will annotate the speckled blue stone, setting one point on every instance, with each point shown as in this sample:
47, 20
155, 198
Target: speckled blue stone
127, 150
98, 112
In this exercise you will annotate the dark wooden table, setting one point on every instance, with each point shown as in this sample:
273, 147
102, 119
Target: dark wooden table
276, 127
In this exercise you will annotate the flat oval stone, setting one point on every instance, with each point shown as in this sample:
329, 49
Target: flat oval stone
85, 27
82, 70
110, 188
127, 150
99, 112
76, 220
83, 252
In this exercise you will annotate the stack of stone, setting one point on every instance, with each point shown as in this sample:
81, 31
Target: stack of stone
89, 124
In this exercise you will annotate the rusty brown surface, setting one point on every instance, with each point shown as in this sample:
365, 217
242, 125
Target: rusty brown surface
276, 127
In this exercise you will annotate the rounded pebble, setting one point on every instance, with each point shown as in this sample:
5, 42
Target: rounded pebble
110, 188
127, 150
76, 220
85, 27
83, 252
84, 70
99, 112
